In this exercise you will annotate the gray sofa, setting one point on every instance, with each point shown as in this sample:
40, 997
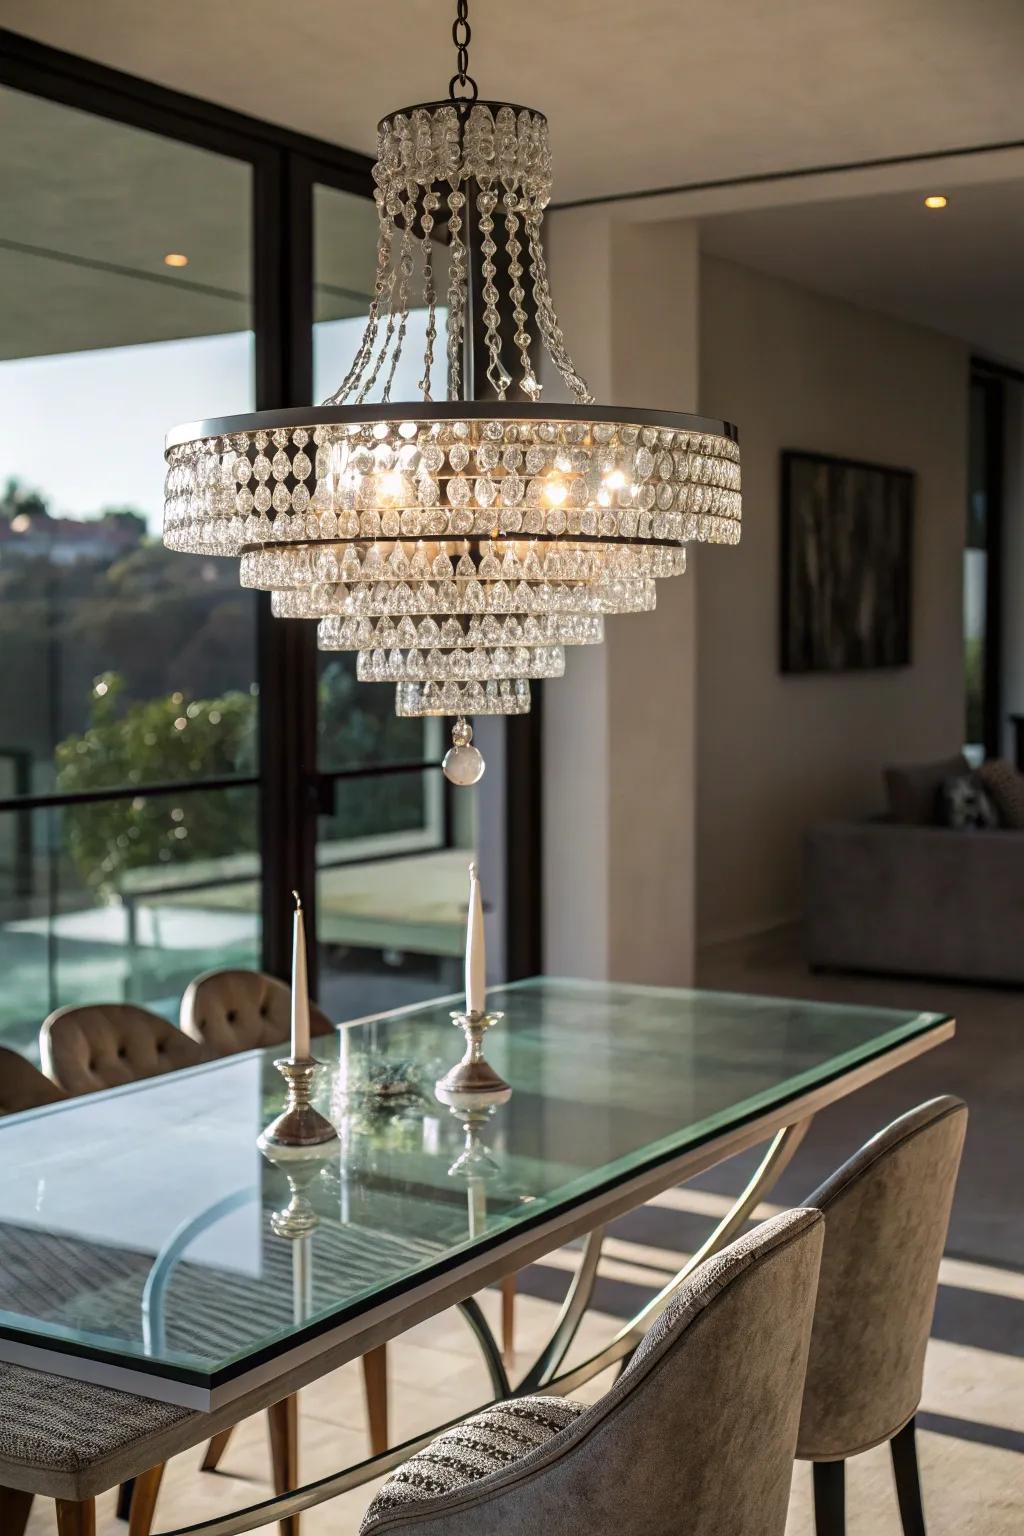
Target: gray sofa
915, 900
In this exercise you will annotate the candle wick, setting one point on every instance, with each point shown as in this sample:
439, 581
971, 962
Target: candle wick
298, 901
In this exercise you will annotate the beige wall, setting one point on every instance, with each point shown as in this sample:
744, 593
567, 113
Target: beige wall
619, 765
774, 753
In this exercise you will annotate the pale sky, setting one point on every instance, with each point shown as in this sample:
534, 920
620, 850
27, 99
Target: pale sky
87, 428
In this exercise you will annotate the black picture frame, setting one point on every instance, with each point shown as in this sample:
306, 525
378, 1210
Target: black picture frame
845, 563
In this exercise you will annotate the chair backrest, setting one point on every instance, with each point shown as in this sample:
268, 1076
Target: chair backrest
23, 1086
101, 1045
886, 1215
231, 1011
697, 1435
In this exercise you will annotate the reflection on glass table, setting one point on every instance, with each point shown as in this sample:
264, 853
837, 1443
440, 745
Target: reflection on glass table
617, 1091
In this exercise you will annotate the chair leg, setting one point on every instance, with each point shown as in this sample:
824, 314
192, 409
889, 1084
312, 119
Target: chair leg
508, 1321
375, 1386
124, 1499
15, 1508
903, 1448
283, 1421
76, 1517
216, 1448
830, 1498
143, 1505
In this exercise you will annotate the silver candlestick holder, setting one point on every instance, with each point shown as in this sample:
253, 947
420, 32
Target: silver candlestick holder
298, 1218
300, 1131
473, 1081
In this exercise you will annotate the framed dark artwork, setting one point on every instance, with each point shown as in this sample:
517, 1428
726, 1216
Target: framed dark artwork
847, 532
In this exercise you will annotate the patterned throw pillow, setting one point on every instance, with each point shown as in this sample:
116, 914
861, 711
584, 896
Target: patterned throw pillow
965, 803
914, 790
488, 1442
1006, 787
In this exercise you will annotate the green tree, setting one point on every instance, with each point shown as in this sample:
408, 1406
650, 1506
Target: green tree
157, 741
18, 500
126, 518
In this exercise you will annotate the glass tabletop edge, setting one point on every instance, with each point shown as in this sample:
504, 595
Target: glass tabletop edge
570, 1198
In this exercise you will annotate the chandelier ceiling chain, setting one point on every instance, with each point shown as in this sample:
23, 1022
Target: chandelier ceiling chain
461, 35
457, 547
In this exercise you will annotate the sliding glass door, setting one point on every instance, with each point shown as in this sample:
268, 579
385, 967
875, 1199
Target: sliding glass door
173, 760
129, 764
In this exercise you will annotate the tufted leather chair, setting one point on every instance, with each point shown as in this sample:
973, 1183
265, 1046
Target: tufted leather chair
102, 1045
231, 1011
886, 1214
697, 1434
23, 1086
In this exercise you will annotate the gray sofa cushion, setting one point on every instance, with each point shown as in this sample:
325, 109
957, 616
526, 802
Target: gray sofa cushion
913, 789
918, 901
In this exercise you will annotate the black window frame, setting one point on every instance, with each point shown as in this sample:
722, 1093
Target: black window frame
989, 380
286, 166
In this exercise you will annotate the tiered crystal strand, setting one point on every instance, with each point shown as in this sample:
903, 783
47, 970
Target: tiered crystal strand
458, 549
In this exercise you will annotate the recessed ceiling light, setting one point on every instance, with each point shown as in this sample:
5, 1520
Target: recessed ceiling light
936, 201
176, 259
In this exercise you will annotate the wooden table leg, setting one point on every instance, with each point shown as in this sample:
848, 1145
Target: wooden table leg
143, 1506
375, 1386
283, 1420
76, 1517
508, 1321
216, 1448
14, 1511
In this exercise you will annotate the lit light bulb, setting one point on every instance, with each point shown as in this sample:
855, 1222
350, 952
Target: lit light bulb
603, 499
175, 259
555, 492
936, 201
615, 481
390, 485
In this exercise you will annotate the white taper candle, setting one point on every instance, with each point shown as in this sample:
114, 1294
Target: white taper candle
300, 985
476, 954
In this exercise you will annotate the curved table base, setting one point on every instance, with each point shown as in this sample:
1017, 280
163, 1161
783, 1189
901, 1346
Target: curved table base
542, 1375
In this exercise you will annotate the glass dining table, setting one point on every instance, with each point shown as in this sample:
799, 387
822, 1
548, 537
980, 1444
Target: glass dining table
146, 1243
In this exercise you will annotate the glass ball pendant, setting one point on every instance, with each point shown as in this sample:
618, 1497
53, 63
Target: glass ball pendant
463, 763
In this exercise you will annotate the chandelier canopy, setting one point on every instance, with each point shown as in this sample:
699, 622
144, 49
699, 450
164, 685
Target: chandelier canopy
458, 547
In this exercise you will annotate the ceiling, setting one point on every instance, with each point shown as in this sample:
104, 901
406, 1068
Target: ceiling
959, 269
91, 207
641, 93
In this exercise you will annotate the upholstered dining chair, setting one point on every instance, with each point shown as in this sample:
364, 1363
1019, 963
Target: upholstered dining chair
69, 1441
695, 1435
23, 1086
886, 1214
103, 1045
231, 1011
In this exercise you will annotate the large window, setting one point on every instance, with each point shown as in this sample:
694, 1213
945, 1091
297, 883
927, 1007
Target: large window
128, 695
174, 761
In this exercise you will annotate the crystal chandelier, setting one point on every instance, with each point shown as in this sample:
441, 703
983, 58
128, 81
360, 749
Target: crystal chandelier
457, 547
